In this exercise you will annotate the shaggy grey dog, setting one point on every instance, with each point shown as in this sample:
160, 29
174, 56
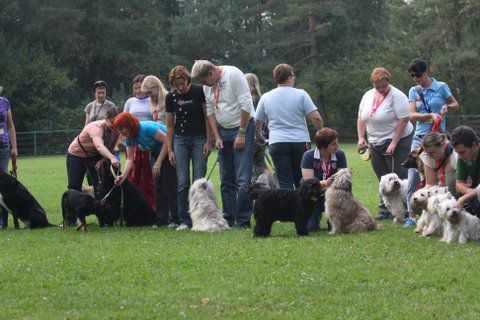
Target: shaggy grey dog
343, 211
268, 180
203, 207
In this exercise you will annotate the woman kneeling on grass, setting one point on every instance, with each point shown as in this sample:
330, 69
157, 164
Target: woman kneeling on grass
322, 162
440, 161
146, 135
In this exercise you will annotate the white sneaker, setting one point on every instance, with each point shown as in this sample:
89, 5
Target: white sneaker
182, 227
172, 225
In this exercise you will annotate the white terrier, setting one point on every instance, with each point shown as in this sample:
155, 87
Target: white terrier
394, 194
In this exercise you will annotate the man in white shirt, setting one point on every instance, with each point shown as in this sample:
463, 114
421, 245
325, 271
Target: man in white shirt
230, 115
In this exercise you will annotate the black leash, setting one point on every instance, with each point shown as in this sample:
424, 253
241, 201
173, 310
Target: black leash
211, 171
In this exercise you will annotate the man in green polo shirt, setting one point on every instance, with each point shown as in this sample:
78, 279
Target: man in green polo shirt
465, 142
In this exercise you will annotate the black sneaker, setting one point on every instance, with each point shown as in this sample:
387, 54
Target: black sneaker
382, 215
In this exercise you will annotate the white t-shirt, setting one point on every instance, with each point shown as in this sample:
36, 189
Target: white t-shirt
139, 107
229, 97
430, 162
286, 108
381, 126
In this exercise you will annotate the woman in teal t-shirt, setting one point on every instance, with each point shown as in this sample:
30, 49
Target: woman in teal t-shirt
150, 135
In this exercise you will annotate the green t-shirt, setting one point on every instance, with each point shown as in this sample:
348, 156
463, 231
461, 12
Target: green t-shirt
470, 169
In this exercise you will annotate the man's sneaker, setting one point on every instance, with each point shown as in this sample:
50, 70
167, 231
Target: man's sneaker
182, 227
172, 225
384, 215
155, 227
409, 222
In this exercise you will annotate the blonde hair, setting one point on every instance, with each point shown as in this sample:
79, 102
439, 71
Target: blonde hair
201, 68
380, 73
254, 85
148, 84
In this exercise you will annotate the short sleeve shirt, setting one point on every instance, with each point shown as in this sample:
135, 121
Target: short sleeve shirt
98, 112
145, 140
93, 129
4, 107
139, 107
435, 97
286, 109
470, 169
322, 171
188, 110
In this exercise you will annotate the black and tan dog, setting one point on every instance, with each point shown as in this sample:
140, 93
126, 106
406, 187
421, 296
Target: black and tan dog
15, 198
284, 205
78, 205
414, 162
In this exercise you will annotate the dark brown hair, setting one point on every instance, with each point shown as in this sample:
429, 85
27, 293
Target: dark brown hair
325, 136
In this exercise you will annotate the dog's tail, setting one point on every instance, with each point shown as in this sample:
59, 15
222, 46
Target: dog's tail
255, 190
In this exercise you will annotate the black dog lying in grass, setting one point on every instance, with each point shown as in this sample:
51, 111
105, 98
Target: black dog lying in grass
125, 203
284, 205
15, 198
76, 204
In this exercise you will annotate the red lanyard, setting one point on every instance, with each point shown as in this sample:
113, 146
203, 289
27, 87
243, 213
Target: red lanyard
326, 168
376, 104
155, 115
441, 171
216, 88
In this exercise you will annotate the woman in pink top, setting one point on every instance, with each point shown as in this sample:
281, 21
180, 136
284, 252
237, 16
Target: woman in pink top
90, 148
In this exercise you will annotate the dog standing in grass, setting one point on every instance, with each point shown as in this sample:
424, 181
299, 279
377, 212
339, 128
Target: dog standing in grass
343, 211
203, 207
394, 194
284, 205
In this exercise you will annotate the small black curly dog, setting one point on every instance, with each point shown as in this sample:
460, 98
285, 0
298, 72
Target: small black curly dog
284, 205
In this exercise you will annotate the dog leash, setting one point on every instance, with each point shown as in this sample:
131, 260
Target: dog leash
211, 171
115, 176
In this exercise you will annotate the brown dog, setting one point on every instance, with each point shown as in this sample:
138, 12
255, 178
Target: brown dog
414, 162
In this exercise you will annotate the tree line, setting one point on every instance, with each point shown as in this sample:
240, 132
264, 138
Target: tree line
53, 51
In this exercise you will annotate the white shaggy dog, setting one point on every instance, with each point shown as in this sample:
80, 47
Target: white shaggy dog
394, 194
461, 226
420, 201
433, 222
343, 211
204, 209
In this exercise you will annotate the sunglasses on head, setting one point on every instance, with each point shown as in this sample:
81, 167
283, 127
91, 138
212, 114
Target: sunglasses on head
416, 74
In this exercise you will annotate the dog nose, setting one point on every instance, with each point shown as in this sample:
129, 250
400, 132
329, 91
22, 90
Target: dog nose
415, 199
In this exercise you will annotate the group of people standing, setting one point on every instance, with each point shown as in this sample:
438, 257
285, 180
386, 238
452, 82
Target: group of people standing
165, 133
384, 117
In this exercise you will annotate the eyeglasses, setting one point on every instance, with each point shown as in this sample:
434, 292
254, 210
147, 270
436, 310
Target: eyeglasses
416, 74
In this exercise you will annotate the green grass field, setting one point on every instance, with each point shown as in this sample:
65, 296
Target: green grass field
140, 273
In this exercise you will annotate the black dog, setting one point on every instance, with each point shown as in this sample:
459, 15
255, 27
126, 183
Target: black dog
125, 203
14, 197
284, 205
76, 204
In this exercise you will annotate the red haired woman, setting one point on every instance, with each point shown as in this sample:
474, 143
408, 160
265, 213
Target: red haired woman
150, 135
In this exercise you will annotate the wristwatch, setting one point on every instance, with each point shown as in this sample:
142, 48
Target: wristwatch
242, 130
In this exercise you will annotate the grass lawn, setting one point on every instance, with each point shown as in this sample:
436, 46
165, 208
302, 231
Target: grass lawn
140, 273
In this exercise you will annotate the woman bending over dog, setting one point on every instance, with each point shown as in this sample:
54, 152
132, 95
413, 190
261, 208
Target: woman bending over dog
147, 135
90, 149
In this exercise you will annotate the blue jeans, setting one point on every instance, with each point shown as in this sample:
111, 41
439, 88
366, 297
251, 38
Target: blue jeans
287, 158
76, 168
314, 221
235, 175
4, 158
413, 175
188, 149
